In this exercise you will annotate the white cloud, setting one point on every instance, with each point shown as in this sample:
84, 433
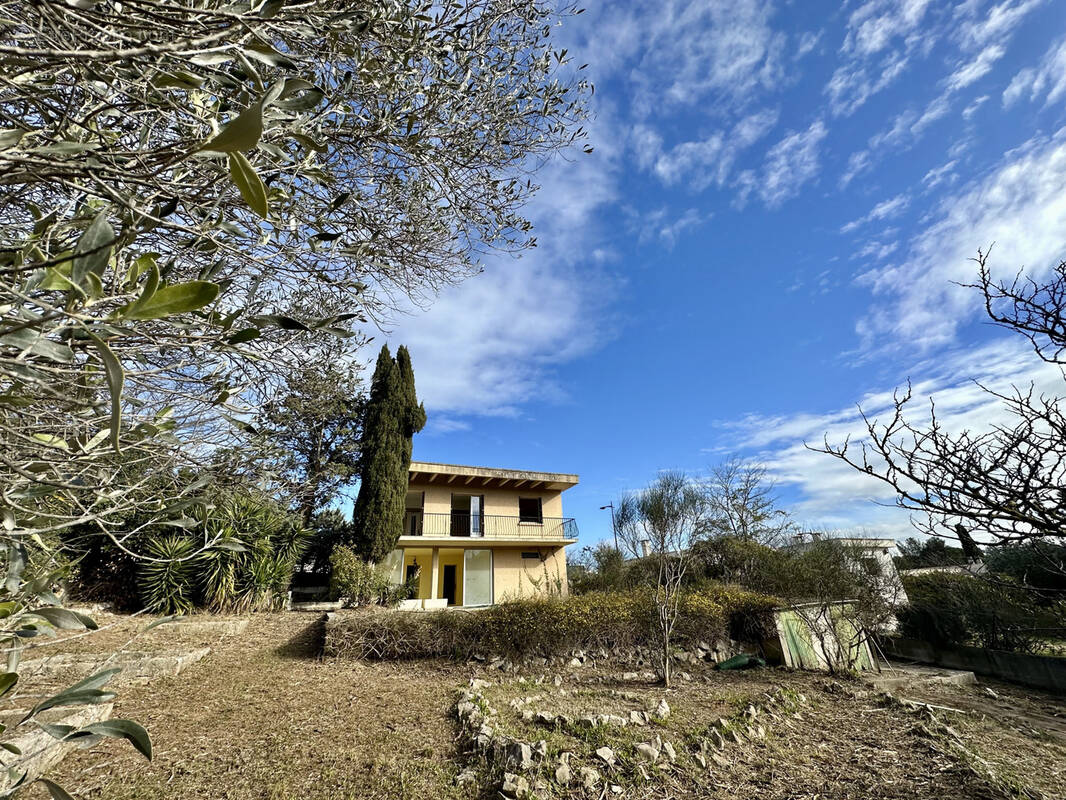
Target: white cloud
1048, 80
704, 162
886, 209
790, 164
858, 163
659, 225
882, 36
976, 29
1020, 206
831, 494
807, 42
975, 69
945, 173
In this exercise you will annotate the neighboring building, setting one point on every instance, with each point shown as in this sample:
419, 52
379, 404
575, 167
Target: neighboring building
873, 555
477, 536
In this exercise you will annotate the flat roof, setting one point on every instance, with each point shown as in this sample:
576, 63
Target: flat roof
466, 475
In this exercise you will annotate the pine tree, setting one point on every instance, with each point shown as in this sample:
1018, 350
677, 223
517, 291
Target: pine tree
393, 416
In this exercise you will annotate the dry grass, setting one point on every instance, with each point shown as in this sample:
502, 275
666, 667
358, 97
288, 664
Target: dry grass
263, 717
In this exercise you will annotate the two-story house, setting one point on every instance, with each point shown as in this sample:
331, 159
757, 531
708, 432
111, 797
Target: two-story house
475, 536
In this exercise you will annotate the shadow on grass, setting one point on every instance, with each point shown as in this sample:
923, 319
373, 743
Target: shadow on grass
307, 643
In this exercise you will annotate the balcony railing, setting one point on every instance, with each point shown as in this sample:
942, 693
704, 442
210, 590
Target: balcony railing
488, 526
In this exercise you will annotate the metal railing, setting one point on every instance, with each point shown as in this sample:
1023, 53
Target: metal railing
488, 526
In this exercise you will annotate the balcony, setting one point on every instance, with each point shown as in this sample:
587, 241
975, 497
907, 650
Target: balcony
487, 526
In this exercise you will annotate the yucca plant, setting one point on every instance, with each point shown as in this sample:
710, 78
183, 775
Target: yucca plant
169, 583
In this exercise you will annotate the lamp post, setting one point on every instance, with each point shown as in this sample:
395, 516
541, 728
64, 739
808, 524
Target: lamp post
614, 528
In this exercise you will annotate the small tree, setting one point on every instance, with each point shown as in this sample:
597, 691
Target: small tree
393, 416
667, 517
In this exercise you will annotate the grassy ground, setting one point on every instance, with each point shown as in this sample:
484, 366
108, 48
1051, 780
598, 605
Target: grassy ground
263, 717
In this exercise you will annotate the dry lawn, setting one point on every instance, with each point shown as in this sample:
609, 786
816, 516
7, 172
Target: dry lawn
264, 717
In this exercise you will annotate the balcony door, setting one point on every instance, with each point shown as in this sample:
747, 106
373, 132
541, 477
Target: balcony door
467, 515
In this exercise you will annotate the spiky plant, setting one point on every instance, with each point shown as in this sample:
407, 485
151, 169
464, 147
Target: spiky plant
170, 580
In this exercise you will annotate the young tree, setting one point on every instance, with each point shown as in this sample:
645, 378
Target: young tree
742, 503
668, 516
1003, 485
393, 416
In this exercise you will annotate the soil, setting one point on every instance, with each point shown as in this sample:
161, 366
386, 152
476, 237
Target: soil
264, 717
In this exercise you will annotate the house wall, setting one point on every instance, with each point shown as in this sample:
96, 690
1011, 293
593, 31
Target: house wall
502, 502
515, 577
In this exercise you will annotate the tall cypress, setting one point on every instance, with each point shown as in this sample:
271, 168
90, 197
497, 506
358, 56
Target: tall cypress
393, 416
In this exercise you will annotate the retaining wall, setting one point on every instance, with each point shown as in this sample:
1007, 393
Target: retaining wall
1038, 672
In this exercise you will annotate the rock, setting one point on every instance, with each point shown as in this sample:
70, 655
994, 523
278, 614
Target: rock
647, 752
575, 662
520, 755
684, 676
544, 718
478, 683
466, 778
562, 774
586, 722
616, 789
606, 755
590, 778
638, 717
662, 711
719, 760
527, 716
541, 748
670, 752
558, 680
514, 786
614, 719
716, 739
700, 759
630, 676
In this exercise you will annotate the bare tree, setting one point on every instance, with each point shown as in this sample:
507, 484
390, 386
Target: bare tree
668, 516
998, 486
742, 503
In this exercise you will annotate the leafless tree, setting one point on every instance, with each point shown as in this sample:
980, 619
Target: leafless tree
743, 505
1002, 485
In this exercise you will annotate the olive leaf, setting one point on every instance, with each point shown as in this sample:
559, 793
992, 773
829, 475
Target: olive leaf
248, 183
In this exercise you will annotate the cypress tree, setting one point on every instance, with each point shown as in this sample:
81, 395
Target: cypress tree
393, 416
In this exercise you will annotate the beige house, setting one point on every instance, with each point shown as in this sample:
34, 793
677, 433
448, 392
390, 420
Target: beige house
475, 536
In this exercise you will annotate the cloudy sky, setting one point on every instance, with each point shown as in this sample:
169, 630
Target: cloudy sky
782, 201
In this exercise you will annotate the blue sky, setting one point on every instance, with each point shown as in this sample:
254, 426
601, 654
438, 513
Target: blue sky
767, 233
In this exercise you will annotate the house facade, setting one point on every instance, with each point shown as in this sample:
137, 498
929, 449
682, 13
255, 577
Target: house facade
475, 536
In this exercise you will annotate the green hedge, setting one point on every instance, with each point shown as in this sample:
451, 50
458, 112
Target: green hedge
952, 608
548, 626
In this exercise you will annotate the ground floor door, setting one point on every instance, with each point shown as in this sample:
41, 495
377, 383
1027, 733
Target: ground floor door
448, 584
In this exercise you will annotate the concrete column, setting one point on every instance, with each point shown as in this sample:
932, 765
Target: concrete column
434, 589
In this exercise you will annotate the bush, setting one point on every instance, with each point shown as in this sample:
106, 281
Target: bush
549, 626
257, 545
952, 608
361, 584
169, 584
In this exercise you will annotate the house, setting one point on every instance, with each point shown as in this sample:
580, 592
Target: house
474, 536
872, 556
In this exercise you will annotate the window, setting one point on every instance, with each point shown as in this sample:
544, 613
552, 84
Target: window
529, 510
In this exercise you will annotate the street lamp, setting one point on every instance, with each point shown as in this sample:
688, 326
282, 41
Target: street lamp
614, 528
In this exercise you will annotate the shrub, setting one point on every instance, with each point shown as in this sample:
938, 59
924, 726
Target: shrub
361, 584
947, 608
548, 626
169, 582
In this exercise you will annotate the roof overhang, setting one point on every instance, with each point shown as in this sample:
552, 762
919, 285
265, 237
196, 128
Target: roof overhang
458, 475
